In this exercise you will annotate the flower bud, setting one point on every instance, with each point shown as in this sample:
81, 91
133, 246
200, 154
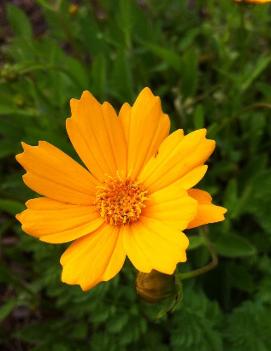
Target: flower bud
154, 287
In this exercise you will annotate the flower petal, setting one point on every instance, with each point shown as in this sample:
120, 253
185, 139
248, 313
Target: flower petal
192, 178
145, 126
52, 173
151, 244
134, 248
116, 136
96, 257
207, 212
172, 206
97, 135
177, 156
55, 222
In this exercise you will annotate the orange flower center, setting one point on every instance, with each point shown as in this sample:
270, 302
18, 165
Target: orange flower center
120, 201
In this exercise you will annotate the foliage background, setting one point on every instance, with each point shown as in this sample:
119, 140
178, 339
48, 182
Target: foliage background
210, 61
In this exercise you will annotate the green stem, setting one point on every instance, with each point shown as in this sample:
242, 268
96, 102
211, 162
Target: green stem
211, 265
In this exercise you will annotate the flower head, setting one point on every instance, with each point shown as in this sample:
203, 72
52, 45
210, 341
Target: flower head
134, 198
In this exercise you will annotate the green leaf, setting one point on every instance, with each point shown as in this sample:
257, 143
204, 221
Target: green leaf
6, 308
125, 20
241, 277
122, 79
231, 197
249, 327
116, 325
254, 71
167, 55
232, 245
98, 77
77, 71
7, 148
189, 73
19, 22
259, 201
199, 117
195, 241
11, 206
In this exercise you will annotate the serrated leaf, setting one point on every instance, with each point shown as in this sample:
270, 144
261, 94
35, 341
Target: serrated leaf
259, 201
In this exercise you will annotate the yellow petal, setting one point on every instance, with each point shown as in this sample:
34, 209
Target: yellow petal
150, 244
135, 250
55, 222
116, 136
202, 196
207, 212
168, 145
192, 178
145, 127
52, 173
172, 206
97, 135
176, 157
125, 118
94, 258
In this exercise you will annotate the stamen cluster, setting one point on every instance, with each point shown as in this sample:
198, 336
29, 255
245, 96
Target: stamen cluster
120, 201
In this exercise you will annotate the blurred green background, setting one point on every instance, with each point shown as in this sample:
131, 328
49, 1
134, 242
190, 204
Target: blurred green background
210, 61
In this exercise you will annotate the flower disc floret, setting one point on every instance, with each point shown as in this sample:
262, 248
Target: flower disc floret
120, 201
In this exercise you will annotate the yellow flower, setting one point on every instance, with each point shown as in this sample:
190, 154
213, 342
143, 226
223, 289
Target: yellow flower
134, 200
73, 9
254, 1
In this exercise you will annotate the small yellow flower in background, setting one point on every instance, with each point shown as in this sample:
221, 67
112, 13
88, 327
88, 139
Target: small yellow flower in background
253, 1
134, 200
73, 9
